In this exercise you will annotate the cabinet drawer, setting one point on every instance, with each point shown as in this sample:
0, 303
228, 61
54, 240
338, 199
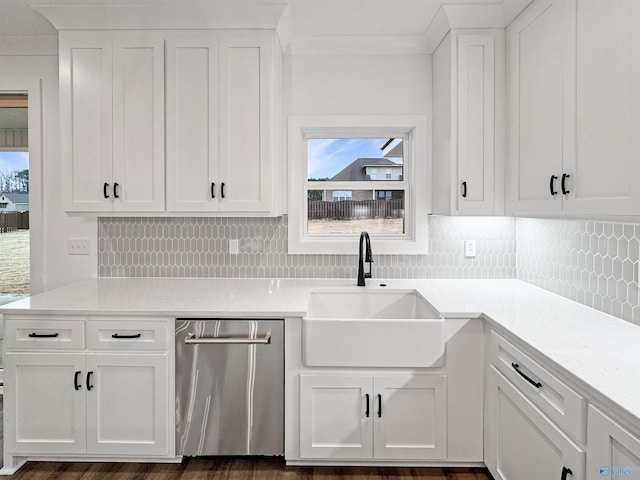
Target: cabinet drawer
127, 335
565, 407
43, 334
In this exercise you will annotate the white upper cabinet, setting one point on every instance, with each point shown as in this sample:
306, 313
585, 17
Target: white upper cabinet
468, 123
572, 108
221, 93
222, 121
192, 123
536, 115
112, 121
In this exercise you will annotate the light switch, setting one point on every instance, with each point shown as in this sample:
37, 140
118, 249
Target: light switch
470, 248
78, 246
234, 248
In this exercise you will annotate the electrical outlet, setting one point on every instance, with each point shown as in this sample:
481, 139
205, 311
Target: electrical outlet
470, 248
78, 246
234, 249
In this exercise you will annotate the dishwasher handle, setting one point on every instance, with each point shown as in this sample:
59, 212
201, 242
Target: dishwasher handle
192, 339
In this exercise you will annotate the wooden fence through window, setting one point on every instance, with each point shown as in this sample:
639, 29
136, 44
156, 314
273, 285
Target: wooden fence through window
10, 221
348, 209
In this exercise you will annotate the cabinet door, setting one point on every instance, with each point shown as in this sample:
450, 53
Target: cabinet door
86, 120
613, 452
476, 119
44, 413
127, 404
604, 167
138, 123
245, 126
192, 123
535, 65
410, 417
522, 444
335, 420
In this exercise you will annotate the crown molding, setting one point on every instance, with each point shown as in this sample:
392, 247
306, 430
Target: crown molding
213, 15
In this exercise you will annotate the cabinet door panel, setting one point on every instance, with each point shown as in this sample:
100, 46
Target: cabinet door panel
526, 445
611, 448
45, 413
411, 422
127, 408
605, 168
333, 422
138, 113
86, 119
245, 83
192, 124
476, 122
536, 116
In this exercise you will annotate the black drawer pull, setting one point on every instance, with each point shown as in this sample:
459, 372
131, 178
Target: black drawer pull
565, 471
551, 182
464, 189
222, 189
115, 190
563, 184
76, 378
366, 413
213, 190
379, 405
89, 386
516, 367
104, 190
43, 335
135, 335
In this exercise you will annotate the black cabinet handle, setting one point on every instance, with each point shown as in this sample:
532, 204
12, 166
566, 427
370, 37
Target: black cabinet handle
379, 405
563, 185
222, 189
43, 335
516, 367
76, 379
115, 190
135, 335
464, 189
565, 471
104, 190
89, 386
213, 190
551, 182
366, 413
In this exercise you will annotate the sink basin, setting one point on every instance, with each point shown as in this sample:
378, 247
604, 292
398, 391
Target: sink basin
372, 328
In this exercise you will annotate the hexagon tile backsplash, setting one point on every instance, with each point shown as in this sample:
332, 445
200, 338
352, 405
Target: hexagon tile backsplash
594, 263
198, 247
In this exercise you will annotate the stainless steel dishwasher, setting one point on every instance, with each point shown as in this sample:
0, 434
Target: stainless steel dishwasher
229, 387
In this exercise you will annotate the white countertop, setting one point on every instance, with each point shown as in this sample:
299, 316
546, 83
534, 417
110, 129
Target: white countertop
598, 351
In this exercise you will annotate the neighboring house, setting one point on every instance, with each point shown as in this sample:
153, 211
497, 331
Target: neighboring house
14, 202
364, 170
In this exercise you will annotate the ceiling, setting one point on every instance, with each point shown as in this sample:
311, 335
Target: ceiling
309, 18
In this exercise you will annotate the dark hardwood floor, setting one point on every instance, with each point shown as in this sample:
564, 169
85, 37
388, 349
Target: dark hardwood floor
235, 468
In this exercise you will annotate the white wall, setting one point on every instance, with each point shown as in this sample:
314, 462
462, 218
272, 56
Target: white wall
50, 228
357, 84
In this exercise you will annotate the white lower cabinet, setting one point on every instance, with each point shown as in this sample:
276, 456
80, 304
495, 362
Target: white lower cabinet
521, 442
44, 413
401, 417
613, 451
127, 404
76, 404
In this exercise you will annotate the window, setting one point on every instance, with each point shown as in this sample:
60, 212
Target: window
3, 205
355, 174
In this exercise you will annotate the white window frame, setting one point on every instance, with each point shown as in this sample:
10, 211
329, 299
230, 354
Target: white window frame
416, 174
